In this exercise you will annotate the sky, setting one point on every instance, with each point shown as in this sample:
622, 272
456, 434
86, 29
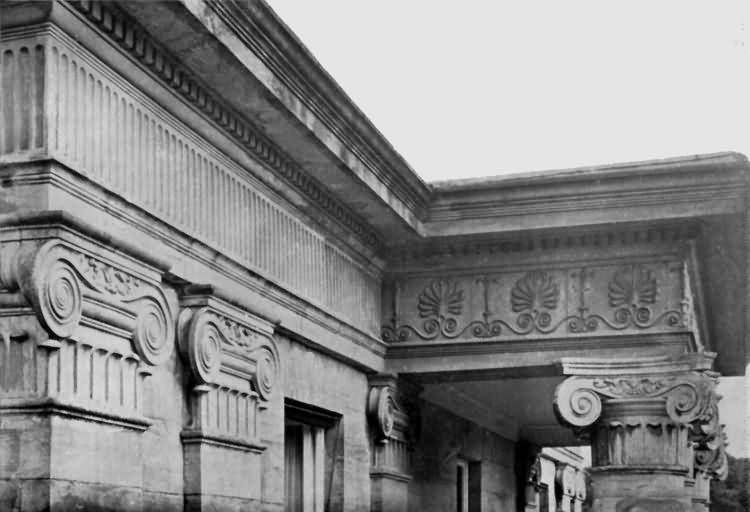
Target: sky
484, 88
481, 88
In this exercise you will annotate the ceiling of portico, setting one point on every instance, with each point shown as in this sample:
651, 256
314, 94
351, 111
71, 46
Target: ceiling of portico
514, 408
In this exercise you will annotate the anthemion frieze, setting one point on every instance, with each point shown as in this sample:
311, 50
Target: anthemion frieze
221, 288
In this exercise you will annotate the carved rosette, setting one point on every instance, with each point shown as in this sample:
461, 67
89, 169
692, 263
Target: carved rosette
66, 286
213, 341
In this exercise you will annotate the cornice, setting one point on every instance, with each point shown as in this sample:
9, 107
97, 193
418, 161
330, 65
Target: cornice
557, 202
128, 35
259, 27
435, 250
641, 191
725, 161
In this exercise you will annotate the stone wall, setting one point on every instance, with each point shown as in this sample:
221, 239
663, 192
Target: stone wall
313, 378
443, 440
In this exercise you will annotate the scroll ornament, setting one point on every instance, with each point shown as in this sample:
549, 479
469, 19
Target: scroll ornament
211, 342
687, 397
539, 304
709, 444
381, 408
63, 285
711, 458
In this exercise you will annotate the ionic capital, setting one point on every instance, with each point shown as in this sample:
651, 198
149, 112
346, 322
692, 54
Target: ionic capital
217, 337
70, 283
390, 408
681, 390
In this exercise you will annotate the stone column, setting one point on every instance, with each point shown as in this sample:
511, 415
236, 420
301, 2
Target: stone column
234, 366
82, 325
643, 417
564, 487
529, 472
580, 491
393, 420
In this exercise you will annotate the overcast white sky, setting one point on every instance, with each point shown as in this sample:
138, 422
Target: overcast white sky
468, 89
481, 88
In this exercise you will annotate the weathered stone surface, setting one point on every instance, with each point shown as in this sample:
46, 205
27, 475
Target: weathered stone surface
644, 417
314, 378
185, 171
442, 441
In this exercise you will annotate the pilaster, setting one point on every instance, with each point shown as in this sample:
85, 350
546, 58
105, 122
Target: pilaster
580, 490
394, 420
643, 416
233, 363
530, 466
565, 481
83, 324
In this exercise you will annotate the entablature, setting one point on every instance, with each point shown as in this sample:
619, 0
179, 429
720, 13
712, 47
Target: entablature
222, 98
279, 87
652, 191
110, 147
628, 283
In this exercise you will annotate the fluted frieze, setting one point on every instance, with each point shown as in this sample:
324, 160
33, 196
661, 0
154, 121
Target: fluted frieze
84, 115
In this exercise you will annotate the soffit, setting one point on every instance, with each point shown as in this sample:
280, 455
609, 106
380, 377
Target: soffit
251, 61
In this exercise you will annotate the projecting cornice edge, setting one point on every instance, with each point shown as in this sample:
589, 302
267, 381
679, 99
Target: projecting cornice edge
257, 25
127, 34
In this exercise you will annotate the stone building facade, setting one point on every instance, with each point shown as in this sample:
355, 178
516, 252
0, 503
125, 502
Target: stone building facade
222, 289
